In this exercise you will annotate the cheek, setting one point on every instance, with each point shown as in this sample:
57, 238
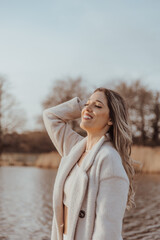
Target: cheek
82, 112
103, 118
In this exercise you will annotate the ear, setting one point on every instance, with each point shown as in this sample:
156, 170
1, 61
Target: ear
110, 123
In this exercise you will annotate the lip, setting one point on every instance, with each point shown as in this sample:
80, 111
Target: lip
86, 114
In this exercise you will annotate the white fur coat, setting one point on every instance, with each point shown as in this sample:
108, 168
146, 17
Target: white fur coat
100, 190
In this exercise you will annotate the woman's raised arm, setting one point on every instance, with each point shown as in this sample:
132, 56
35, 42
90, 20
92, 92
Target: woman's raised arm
56, 123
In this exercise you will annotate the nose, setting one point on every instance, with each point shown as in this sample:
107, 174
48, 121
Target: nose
89, 108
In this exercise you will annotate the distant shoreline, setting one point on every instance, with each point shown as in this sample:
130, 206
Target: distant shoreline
148, 158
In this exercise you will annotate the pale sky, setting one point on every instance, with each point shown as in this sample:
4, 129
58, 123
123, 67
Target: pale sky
42, 41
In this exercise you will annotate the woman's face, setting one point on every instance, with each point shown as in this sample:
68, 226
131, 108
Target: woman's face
95, 114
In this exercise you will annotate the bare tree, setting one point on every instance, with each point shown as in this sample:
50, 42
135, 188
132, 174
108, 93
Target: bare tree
12, 118
64, 90
156, 119
139, 99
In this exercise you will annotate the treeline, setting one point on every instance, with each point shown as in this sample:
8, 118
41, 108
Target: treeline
28, 142
143, 104
144, 112
12, 116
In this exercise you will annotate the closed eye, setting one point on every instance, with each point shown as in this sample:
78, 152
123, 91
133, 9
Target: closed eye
98, 106
95, 105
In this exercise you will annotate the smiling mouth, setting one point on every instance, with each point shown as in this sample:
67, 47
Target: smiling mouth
86, 117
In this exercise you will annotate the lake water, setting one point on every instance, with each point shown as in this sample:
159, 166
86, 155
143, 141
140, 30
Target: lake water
26, 205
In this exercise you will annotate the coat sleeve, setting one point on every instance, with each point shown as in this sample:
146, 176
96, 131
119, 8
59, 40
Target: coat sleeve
56, 122
111, 200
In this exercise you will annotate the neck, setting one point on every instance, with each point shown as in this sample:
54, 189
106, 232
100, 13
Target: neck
92, 139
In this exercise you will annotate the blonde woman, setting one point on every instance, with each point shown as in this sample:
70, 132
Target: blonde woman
94, 182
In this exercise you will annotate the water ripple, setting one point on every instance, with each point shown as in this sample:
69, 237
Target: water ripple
143, 222
26, 205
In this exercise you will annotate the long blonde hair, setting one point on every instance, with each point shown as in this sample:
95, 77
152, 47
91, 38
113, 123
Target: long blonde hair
120, 133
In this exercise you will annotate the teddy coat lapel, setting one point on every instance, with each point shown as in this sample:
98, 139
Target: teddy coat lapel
79, 186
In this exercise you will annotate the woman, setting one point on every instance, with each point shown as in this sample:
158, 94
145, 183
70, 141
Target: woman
94, 182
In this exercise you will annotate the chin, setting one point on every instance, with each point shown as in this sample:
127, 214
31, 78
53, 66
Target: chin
84, 126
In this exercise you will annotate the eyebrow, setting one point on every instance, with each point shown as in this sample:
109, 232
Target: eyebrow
97, 101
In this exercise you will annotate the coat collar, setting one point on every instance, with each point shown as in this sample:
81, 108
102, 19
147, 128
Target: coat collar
81, 181
72, 158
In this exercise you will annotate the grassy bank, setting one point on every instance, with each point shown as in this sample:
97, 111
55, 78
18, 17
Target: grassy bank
48, 160
148, 158
18, 159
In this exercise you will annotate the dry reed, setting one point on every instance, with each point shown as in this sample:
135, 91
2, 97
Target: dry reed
148, 157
